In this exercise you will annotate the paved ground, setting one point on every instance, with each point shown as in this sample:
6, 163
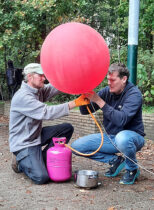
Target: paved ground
18, 192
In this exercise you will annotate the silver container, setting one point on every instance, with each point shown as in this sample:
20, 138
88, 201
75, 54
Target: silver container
86, 178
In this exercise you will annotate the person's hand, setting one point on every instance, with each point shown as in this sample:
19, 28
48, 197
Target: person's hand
81, 100
94, 97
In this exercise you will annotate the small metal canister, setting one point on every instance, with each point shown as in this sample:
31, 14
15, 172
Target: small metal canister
86, 178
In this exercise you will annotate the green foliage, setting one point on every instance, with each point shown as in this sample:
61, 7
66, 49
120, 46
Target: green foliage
24, 24
145, 76
1, 102
148, 109
63, 98
146, 27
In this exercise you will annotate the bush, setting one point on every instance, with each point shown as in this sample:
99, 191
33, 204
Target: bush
145, 76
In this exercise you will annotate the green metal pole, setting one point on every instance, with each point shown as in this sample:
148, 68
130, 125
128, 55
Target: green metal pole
133, 39
132, 62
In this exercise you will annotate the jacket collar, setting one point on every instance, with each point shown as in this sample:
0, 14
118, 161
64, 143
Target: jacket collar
29, 88
128, 86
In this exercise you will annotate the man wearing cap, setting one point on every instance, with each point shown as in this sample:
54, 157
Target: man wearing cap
26, 135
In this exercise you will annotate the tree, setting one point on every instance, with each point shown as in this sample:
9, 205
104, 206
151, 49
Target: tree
24, 24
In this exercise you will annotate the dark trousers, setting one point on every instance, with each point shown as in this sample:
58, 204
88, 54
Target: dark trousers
32, 160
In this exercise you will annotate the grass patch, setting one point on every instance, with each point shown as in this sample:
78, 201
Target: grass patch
1, 102
51, 103
56, 103
148, 109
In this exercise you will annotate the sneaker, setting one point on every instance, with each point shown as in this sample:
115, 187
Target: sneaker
14, 164
116, 167
130, 176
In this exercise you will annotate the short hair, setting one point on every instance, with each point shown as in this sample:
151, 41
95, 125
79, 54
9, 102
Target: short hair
26, 77
120, 68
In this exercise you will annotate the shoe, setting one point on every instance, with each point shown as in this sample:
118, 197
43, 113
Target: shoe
14, 164
130, 176
116, 167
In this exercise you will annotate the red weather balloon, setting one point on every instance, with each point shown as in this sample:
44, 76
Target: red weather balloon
75, 58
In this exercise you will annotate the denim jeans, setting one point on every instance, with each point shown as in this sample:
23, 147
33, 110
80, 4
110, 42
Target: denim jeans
32, 160
128, 142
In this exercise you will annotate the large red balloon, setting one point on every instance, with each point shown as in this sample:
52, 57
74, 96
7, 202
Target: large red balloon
75, 58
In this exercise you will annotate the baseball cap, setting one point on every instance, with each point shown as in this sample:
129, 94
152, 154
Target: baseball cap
33, 68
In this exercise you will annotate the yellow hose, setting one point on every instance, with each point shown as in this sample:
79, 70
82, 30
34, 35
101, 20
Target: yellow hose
82, 154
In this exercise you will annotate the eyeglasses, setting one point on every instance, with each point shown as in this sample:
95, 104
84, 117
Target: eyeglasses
40, 75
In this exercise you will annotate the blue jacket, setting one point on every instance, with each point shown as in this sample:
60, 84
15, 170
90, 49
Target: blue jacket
121, 112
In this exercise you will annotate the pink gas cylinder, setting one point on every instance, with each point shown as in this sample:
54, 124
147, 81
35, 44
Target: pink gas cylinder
59, 161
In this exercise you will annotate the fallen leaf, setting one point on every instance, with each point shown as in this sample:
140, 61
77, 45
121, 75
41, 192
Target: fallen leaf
28, 191
112, 208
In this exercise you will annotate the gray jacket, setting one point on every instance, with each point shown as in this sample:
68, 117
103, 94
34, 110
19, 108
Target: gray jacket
27, 112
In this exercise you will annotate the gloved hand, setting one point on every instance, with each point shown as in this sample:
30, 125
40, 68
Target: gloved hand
81, 100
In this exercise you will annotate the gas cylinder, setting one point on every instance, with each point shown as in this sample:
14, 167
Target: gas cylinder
59, 161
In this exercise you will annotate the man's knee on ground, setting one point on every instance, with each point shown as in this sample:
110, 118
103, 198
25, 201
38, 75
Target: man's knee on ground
42, 178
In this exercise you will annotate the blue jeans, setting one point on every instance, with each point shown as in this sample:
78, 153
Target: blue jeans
128, 142
32, 160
